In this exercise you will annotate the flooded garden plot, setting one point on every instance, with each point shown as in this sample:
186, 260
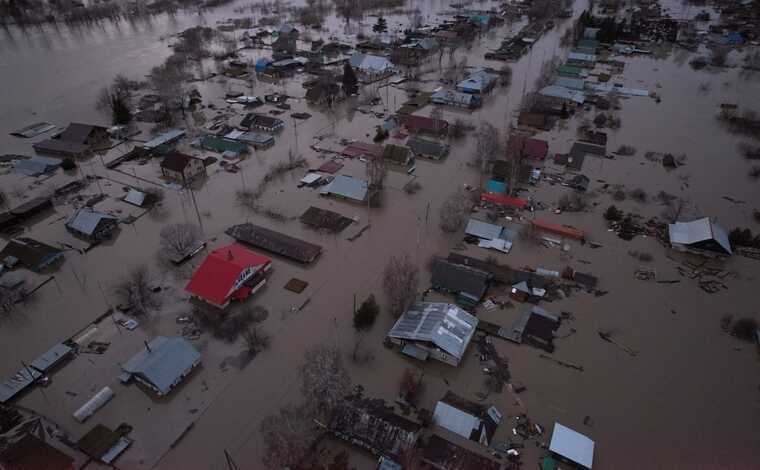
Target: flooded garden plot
577, 124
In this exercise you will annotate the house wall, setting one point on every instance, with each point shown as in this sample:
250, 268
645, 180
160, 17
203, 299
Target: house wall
193, 169
175, 175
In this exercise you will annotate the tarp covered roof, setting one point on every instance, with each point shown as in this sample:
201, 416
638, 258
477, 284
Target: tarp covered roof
447, 326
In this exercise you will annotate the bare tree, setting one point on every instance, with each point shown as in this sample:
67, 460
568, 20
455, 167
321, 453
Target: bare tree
133, 290
454, 211
289, 435
324, 379
488, 147
411, 386
178, 239
256, 339
376, 171
401, 279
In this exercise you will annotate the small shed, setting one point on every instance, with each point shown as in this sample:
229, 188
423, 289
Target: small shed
92, 225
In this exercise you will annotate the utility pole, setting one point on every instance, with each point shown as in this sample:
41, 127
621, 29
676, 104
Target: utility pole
197, 212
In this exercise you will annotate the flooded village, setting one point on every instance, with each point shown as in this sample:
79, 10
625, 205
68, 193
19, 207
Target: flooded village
338, 234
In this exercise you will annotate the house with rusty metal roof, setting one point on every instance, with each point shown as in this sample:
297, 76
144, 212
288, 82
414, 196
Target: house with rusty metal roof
374, 426
434, 329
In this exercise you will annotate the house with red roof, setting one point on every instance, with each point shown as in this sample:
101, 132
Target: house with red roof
228, 273
527, 147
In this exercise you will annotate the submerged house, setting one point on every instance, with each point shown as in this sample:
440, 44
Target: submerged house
32, 453
228, 273
262, 122
424, 125
456, 99
372, 425
75, 141
527, 147
432, 150
569, 445
397, 155
536, 327
30, 254
479, 81
371, 67
434, 329
442, 454
275, 242
346, 187
163, 364
701, 236
473, 421
468, 284
92, 225
181, 167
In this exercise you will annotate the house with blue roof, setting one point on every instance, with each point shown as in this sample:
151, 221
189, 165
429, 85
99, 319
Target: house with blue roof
479, 81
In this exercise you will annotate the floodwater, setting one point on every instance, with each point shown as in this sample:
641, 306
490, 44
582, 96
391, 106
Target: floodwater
689, 399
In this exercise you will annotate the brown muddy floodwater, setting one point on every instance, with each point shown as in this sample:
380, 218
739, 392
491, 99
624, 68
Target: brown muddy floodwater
688, 400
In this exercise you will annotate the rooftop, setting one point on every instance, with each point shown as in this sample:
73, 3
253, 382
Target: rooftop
347, 187
275, 242
447, 326
572, 445
459, 279
164, 362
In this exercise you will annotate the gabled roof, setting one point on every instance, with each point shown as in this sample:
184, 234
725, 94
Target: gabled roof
460, 279
275, 242
32, 453
700, 230
36, 165
484, 230
30, 253
447, 326
528, 146
370, 63
78, 132
86, 220
572, 445
455, 98
446, 455
479, 80
396, 154
424, 123
215, 279
427, 147
253, 120
176, 161
164, 362
556, 91
347, 187
465, 418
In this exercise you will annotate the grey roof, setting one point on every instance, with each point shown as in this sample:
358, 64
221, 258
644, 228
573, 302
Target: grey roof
36, 165
427, 147
483, 230
78, 132
453, 97
86, 220
700, 230
165, 138
581, 57
447, 326
17, 383
571, 83
135, 197
346, 186
52, 357
455, 420
460, 279
572, 445
167, 361
555, 91
370, 63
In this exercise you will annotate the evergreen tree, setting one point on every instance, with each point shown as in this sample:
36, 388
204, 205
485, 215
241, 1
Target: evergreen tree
350, 82
364, 318
381, 26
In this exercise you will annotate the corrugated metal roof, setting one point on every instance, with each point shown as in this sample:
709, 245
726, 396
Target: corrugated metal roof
165, 363
455, 420
454, 98
348, 187
36, 165
483, 230
135, 197
427, 147
445, 325
52, 357
581, 57
571, 83
86, 220
479, 80
572, 445
687, 233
